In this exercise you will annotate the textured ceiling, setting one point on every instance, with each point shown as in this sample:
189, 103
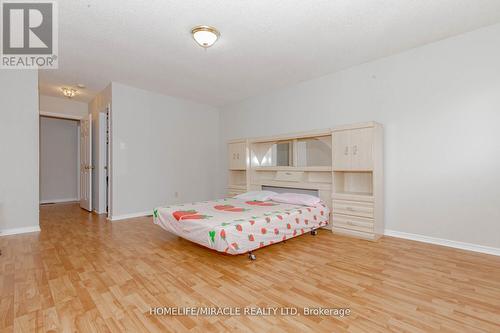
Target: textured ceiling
264, 44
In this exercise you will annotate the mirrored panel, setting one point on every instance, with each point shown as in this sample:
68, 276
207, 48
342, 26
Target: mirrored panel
314, 152
272, 154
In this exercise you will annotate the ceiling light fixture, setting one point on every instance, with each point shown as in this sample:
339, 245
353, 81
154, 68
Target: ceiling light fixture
205, 35
68, 92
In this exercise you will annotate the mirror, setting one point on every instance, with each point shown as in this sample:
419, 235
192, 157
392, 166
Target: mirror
315, 151
272, 154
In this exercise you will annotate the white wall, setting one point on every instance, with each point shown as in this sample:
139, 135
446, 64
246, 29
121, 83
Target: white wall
440, 105
63, 106
18, 151
161, 145
58, 160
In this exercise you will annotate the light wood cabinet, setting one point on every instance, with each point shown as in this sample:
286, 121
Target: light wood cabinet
357, 197
233, 190
237, 154
342, 159
353, 149
237, 165
356, 208
344, 164
362, 149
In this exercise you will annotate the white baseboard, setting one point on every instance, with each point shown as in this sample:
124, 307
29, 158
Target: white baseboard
444, 242
15, 231
131, 216
42, 202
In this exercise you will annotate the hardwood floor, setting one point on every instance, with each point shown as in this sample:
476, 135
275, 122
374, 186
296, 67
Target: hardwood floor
81, 273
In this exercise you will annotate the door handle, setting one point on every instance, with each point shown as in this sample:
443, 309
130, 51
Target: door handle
355, 149
346, 150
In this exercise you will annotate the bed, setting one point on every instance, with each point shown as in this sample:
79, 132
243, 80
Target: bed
237, 226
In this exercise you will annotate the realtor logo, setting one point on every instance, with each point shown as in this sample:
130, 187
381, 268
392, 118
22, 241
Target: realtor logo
29, 34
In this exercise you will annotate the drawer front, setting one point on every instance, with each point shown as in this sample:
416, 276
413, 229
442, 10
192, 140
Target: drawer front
289, 176
231, 192
353, 222
355, 208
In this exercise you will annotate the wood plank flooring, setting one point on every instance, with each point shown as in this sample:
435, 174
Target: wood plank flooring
81, 273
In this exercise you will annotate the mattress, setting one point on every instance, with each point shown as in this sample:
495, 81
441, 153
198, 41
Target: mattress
236, 226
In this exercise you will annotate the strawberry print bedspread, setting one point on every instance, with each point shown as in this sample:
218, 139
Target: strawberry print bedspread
235, 226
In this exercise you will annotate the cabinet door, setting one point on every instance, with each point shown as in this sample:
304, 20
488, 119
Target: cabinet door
341, 150
362, 149
237, 156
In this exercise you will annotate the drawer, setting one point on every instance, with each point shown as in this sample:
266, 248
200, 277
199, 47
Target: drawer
355, 208
237, 188
231, 191
353, 222
289, 176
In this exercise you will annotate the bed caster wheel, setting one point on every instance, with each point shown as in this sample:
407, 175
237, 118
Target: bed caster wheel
252, 256
314, 232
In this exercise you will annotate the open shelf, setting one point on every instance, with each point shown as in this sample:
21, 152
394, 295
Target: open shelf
237, 179
353, 183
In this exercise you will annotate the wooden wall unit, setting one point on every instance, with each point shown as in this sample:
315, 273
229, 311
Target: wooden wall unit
237, 165
351, 184
357, 197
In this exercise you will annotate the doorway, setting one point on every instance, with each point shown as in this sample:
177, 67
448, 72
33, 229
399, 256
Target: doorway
89, 158
59, 160
65, 159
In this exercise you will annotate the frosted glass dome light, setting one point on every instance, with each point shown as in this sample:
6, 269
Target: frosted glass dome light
205, 35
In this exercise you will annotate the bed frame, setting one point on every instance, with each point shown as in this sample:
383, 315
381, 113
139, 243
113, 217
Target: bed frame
291, 189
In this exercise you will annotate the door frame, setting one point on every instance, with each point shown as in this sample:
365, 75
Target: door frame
101, 206
109, 190
108, 110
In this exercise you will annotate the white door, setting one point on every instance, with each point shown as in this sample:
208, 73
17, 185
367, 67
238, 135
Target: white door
86, 163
